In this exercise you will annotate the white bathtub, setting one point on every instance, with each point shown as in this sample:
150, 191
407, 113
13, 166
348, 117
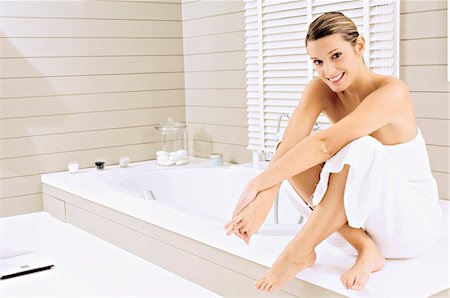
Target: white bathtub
202, 191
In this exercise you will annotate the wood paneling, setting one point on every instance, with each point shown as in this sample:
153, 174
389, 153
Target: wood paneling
62, 47
216, 110
423, 60
83, 80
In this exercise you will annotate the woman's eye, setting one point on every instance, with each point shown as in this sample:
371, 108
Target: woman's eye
317, 62
336, 55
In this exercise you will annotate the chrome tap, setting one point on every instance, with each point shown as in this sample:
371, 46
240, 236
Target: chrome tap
279, 134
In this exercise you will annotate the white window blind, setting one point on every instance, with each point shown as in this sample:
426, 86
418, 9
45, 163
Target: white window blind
278, 67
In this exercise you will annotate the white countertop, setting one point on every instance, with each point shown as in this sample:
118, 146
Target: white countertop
84, 264
398, 278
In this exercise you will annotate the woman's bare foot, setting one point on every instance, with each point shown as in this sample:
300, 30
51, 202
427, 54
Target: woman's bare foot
284, 269
369, 260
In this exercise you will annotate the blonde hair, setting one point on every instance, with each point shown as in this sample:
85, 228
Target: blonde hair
330, 23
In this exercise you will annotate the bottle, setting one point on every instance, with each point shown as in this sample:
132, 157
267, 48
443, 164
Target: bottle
171, 143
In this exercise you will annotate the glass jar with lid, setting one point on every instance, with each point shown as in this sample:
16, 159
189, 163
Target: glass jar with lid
171, 143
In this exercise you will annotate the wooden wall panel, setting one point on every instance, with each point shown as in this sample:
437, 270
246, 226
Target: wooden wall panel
423, 66
214, 52
83, 80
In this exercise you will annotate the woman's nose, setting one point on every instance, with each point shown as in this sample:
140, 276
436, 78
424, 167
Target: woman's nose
329, 69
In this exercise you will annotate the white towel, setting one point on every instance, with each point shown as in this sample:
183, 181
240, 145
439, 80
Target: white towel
389, 192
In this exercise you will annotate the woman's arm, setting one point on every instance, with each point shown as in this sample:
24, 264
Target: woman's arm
299, 127
378, 109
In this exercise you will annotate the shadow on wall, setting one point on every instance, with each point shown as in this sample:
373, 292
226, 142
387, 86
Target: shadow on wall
202, 144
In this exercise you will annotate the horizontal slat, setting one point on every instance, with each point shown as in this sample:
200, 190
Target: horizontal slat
435, 132
216, 61
322, 5
431, 105
434, 47
20, 186
217, 116
442, 180
213, 25
276, 6
425, 78
55, 143
69, 104
439, 158
72, 66
201, 9
22, 127
57, 47
89, 84
218, 79
420, 6
218, 133
231, 153
26, 27
283, 14
216, 98
214, 43
20, 205
413, 25
48, 163
92, 9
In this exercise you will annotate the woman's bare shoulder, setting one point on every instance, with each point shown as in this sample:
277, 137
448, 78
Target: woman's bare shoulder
320, 91
393, 82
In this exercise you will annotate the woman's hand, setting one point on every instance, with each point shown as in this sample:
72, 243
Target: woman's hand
249, 219
247, 196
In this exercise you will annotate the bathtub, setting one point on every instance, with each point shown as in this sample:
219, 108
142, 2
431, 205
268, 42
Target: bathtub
180, 226
203, 192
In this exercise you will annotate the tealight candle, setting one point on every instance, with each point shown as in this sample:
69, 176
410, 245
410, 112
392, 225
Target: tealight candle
73, 167
123, 161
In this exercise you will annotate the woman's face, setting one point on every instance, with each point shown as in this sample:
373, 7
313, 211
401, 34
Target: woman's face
335, 60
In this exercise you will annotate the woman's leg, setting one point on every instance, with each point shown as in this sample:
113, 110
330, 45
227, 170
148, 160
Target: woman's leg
369, 258
327, 217
305, 183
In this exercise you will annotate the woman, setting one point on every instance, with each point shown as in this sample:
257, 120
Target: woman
366, 177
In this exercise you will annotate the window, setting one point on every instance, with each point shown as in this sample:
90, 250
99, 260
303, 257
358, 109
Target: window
278, 67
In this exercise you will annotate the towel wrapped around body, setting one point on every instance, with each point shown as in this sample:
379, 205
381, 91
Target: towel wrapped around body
390, 193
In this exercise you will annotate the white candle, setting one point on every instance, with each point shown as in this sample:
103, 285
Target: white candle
73, 167
123, 161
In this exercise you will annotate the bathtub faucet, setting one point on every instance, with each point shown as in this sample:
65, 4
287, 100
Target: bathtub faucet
149, 195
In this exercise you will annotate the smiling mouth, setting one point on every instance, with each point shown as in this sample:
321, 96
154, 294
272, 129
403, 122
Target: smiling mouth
336, 78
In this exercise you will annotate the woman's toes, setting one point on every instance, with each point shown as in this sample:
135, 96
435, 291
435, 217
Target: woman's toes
348, 282
259, 283
266, 286
359, 283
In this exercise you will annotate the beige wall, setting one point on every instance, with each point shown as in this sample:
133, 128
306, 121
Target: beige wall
423, 66
214, 61
82, 80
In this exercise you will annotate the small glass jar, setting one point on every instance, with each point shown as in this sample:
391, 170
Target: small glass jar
216, 159
171, 143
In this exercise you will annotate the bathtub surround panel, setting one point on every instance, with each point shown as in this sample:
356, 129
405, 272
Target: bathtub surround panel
423, 66
214, 64
173, 251
83, 80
